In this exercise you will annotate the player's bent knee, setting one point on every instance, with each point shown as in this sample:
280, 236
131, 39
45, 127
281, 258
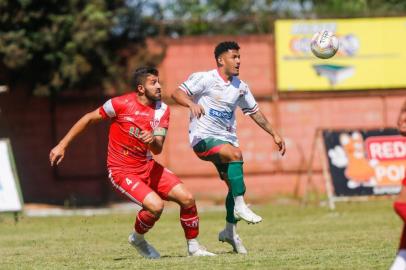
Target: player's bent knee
231, 155
157, 210
155, 207
236, 155
187, 200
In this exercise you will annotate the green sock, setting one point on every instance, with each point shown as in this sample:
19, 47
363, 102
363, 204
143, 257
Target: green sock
230, 208
236, 178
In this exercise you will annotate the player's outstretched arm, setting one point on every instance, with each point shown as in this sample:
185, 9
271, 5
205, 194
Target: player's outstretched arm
183, 99
261, 120
58, 152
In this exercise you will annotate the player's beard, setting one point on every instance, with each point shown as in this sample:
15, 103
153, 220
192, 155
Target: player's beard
151, 96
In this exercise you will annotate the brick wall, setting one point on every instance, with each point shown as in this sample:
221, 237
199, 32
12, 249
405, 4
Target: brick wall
82, 178
191, 54
267, 173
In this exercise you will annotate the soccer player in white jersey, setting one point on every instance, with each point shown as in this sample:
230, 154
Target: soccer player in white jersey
212, 98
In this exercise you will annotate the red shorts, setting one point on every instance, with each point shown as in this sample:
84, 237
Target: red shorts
137, 185
404, 182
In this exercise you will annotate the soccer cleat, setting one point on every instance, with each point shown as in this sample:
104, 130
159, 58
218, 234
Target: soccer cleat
143, 247
200, 251
235, 242
244, 213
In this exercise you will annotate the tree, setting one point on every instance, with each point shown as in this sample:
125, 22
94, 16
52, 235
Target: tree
191, 17
358, 8
55, 45
195, 17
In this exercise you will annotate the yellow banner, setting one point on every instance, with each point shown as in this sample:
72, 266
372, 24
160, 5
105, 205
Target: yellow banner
372, 55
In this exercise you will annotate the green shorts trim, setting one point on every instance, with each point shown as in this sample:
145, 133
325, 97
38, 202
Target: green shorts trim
208, 149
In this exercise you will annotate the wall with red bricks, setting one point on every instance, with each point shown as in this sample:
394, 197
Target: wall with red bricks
297, 122
82, 177
187, 55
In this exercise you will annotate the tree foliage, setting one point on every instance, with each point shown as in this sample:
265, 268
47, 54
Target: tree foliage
54, 45
191, 17
358, 8
194, 17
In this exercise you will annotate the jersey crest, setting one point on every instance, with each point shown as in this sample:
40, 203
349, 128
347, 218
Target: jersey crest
154, 123
160, 109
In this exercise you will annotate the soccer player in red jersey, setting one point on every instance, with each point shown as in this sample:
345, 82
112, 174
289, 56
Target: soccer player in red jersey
139, 122
400, 203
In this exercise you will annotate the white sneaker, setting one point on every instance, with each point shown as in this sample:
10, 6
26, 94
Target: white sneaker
235, 242
143, 247
200, 251
244, 213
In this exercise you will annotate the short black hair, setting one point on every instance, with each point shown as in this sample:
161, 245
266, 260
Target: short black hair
224, 46
141, 74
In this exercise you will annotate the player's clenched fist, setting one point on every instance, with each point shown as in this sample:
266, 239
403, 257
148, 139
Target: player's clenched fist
147, 137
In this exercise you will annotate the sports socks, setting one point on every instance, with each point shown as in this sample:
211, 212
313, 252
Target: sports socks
236, 187
235, 178
190, 221
230, 208
192, 245
145, 221
231, 229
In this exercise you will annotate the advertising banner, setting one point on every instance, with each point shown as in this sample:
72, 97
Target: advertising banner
372, 55
365, 162
10, 195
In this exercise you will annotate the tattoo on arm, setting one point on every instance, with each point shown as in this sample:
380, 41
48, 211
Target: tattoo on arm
261, 120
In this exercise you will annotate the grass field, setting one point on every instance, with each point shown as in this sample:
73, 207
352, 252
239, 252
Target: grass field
355, 236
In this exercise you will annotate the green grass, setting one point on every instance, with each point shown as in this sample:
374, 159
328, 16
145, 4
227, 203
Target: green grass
355, 236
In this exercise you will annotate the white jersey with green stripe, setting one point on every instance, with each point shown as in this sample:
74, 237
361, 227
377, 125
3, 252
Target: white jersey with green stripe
219, 99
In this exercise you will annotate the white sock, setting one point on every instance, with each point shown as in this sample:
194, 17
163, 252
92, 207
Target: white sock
400, 261
231, 229
192, 245
239, 201
138, 237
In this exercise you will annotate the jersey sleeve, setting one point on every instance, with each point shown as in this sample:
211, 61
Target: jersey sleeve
164, 123
111, 108
195, 84
247, 101
163, 126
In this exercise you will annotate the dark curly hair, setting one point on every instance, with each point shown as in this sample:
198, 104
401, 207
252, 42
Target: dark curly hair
224, 46
141, 74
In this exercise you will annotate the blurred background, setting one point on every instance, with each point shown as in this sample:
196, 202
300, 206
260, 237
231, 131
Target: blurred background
61, 59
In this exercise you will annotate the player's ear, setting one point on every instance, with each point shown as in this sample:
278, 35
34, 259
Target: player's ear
140, 88
220, 61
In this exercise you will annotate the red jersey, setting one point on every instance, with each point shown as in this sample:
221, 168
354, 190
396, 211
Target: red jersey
129, 118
